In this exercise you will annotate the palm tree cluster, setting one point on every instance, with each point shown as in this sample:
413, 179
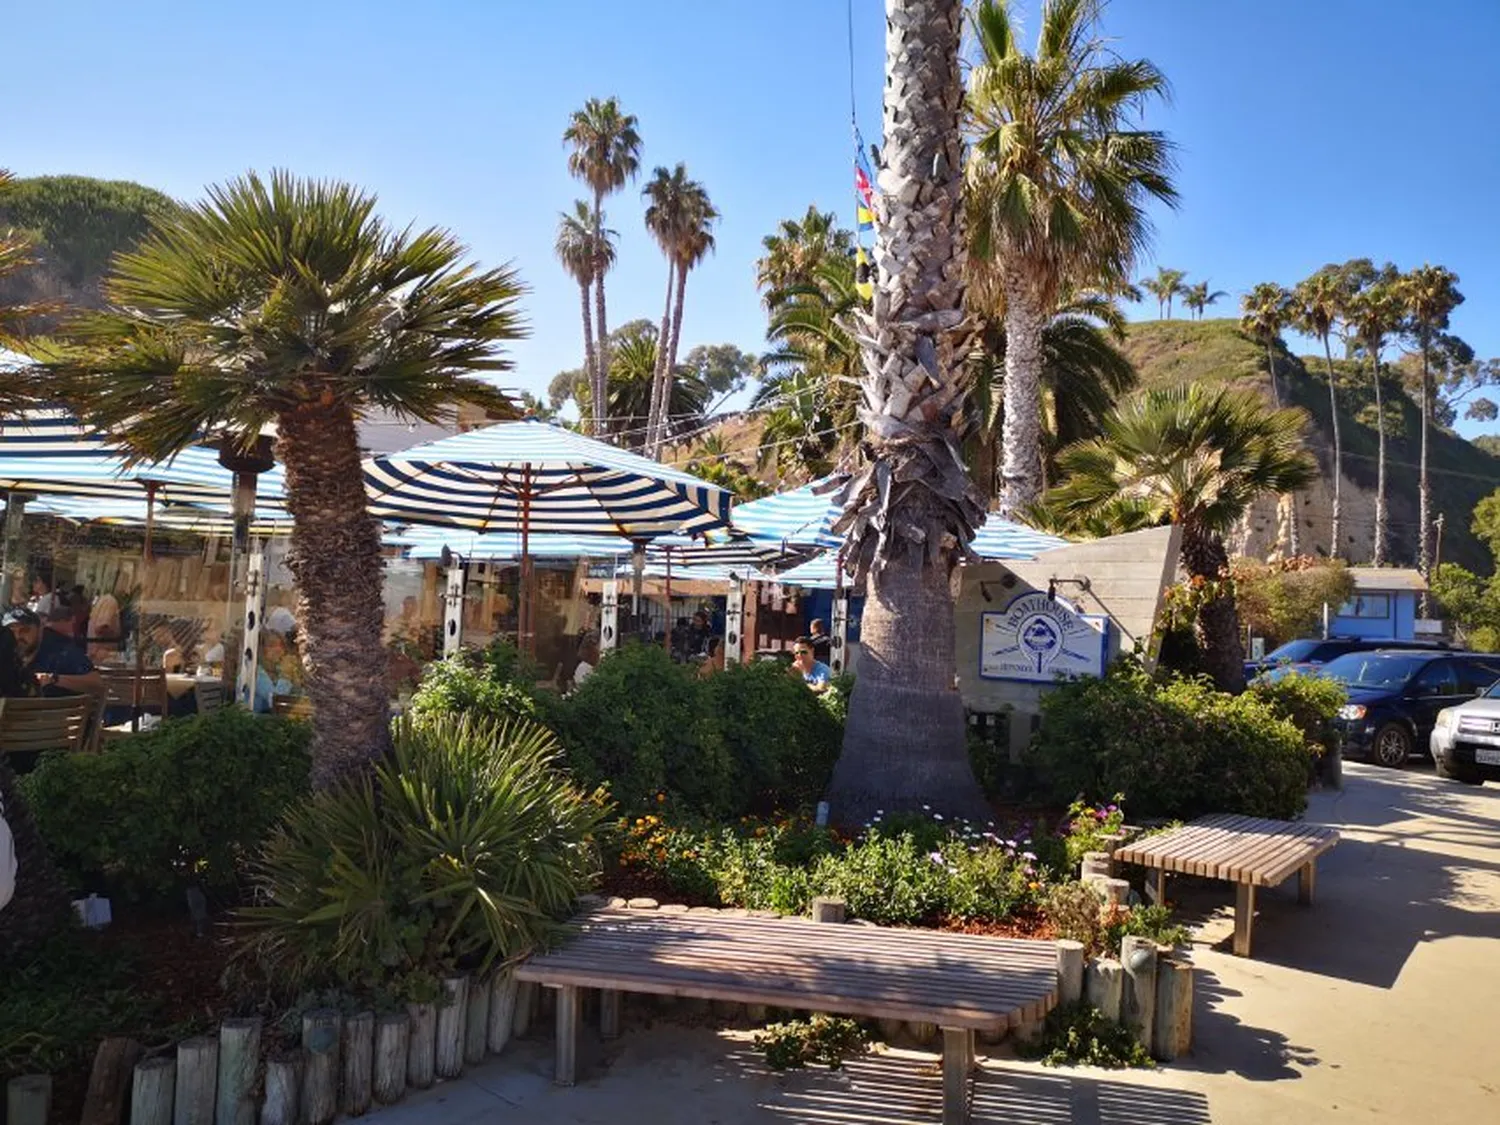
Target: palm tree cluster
1169, 284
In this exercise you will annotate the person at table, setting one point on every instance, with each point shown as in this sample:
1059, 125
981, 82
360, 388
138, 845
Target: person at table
16, 683
822, 643
104, 629
60, 667
713, 660
815, 674
42, 597
270, 681
700, 632
79, 601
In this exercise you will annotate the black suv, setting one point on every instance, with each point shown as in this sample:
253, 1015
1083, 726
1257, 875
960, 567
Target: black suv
1310, 651
1395, 695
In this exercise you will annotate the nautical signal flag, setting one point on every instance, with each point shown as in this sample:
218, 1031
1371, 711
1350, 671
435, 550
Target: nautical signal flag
864, 194
864, 277
864, 217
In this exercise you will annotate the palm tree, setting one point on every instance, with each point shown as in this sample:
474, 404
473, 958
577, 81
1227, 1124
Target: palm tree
1317, 303
694, 241
1197, 297
1430, 294
1196, 456
580, 254
606, 151
665, 219
1164, 286
632, 382
798, 246
1375, 313
908, 515
290, 302
1059, 177
1265, 311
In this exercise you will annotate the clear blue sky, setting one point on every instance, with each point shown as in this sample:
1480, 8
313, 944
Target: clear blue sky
1309, 131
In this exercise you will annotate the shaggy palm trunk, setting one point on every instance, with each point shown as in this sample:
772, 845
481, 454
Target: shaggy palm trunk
1336, 546
905, 741
39, 907
335, 558
601, 353
588, 335
658, 377
1021, 444
1218, 624
1380, 512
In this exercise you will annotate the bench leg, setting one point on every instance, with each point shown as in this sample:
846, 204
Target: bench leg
567, 1035
1307, 881
609, 1013
1161, 886
958, 1061
1244, 918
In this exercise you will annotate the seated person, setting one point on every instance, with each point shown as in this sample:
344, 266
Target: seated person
588, 659
104, 634
713, 661
270, 679
59, 666
815, 674
821, 641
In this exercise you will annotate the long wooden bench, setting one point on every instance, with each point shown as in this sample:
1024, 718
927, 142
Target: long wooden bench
961, 983
1245, 850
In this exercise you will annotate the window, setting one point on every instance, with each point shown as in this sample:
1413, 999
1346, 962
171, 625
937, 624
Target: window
1373, 606
1438, 678
1476, 676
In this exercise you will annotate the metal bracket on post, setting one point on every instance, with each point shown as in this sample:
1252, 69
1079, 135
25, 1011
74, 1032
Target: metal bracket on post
838, 650
255, 604
453, 609
609, 617
734, 620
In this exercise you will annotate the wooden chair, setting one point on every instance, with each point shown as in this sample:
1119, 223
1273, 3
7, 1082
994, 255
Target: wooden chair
210, 694
291, 706
120, 690
51, 723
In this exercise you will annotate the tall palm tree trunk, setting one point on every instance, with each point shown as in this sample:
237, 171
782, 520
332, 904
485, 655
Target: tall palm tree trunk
905, 742
601, 353
1380, 508
39, 907
1294, 531
588, 335
658, 377
1335, 547
1424, 488
1218, 624
669, 372
335, 558
1025, 322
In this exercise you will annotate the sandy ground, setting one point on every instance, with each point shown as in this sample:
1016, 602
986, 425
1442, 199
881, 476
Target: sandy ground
1379, 1002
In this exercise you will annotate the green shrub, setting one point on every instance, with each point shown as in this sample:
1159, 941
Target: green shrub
827, 1040
1074, 909
184, 803
1153, 922
467, 846
1311, 703
1080, 1034
1176, 748
492, 683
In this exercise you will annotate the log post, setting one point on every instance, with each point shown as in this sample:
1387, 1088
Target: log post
477, 1023
28, 1099
1095, 863
1069, 971
421, 1053
757, 1013
502, 1009
1103, 982
239, 1065
1172, 1035
829, 909
283, 1101
922, 1033
609, 1014
109, 1081
392, 1045
153, 1091
1116, 891
359, 1062
1138, 998
320, 1075
452, 1023
197, 1080
890, 1030
525, 1008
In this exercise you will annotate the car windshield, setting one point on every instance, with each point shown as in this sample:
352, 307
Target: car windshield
1494, 691
1375, 669
1293, 652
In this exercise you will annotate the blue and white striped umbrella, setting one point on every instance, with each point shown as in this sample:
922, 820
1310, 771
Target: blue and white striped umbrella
428, 543
545, 477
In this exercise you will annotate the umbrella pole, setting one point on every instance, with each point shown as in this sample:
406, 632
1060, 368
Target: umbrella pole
147, 555
667, 632
523, 613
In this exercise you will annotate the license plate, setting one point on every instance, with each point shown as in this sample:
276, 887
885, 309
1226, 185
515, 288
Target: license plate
1487, 757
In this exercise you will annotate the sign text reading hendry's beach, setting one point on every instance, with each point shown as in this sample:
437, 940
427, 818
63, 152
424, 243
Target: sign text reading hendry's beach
1037, 638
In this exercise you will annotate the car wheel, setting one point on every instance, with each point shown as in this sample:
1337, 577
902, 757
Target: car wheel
1392, 745
1453, 771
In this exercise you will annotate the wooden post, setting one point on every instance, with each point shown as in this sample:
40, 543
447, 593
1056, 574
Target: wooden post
1103, 983
392, 1044
283, 1100
320, 1075
502, 1009
1138, 999
359, 1063
922, 1033
757, 1013
1307, 882
1116, 891
477, 1023
890, 1030
1069, 971
1244, 918
421, 1054
452, 1022
109, 1081
1095, 863
828, 909
28, 1099
567, 1035
153, 1091
239, 1066
197, 1080
1172, 1034
609, 1013
525, 1008
1161, 886
958, 1053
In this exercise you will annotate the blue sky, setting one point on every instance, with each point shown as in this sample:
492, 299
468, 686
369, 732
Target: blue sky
1309, 132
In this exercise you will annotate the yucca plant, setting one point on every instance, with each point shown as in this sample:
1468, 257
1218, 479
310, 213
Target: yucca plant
466, 849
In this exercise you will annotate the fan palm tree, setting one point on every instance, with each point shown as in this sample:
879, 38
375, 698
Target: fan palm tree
909, 515
796, 249
1196, 456
1166, 285
1430, 294
580, 255
694, 241
1265, 311
1059, 177
1317, 304
290, 302
1197, 297
1375, 313
606, 154
667, 195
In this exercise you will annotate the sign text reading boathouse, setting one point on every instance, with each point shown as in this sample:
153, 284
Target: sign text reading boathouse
1037, 638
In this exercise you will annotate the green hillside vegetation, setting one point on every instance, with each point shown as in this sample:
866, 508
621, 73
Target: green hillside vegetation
1175, 351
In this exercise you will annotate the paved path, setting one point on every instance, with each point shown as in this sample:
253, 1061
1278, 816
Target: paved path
1380, 1003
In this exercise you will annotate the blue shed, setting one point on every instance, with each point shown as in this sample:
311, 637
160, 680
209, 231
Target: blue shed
1384, 605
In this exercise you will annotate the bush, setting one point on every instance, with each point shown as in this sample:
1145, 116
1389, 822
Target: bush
468, 846
492, 683
184, 803
1176, 748
1088, 825
1153, 922
1074, 909
1310, 703
827, 1040
1079, 1033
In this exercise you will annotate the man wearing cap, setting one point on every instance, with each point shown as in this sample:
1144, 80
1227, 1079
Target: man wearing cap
60, 666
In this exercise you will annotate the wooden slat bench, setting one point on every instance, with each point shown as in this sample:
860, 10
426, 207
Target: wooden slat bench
1245, 850
961, 983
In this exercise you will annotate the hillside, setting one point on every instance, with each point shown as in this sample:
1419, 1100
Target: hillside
1175, 351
